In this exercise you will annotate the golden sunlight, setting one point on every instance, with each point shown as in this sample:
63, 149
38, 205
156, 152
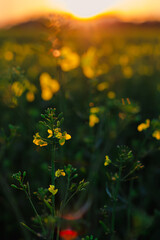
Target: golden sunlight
87, 8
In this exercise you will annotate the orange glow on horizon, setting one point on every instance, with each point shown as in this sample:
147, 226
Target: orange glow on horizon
127, 10
88, 8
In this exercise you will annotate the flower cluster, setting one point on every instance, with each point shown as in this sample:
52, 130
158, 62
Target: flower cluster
39, 141
93, 119
59, 135
52, 125
155, 125
60, 172
107, 161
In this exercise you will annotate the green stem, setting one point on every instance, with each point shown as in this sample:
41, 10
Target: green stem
70, 198
53, 150
63, 205
129, 206
58, 229
114, 204
53, 153
34, 209
66, 195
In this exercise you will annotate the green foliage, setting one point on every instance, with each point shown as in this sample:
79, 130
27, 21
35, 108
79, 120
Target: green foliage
89, 238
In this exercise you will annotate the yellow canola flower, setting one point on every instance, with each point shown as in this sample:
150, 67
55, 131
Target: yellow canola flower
107, 161
17, 88
52, 189
143, 126
49, 86
39, 141
69, 60
30, 96
60, 172
67, 136
50, 133
102, 86
58, 135
8, 56
111, 95
94, 110
93, 119
156, 134
61, 136
91, 63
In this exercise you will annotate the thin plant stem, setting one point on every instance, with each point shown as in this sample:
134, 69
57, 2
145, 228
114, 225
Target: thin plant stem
53, 151
114, 204
129, 206
34, 209
63, 205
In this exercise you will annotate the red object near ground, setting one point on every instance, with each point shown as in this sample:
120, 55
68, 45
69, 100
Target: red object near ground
68, 234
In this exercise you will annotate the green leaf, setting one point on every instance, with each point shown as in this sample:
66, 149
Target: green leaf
14, 186
30, 229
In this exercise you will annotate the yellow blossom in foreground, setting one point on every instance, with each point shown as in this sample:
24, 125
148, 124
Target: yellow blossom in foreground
143, 126
61, 136
60, 172
50, 133
58, 134
39, 141
107, 161
156, 134
67, 136
93, 119
52, 189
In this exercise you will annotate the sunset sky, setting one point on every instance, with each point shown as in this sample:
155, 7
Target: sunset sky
12, 10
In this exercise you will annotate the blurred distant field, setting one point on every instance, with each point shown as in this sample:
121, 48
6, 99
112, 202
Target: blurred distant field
77, 67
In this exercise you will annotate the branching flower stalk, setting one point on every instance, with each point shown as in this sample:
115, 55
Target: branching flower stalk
120, 170
52, 124
51, 135
25, 187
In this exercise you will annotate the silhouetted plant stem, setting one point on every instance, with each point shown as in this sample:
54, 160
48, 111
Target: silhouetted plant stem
129, 206
53, 153
114, 204
34, 209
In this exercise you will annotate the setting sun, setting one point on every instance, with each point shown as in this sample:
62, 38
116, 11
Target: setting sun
89, 8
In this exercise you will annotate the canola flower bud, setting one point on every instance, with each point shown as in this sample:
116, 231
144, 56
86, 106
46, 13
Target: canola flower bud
52, 189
